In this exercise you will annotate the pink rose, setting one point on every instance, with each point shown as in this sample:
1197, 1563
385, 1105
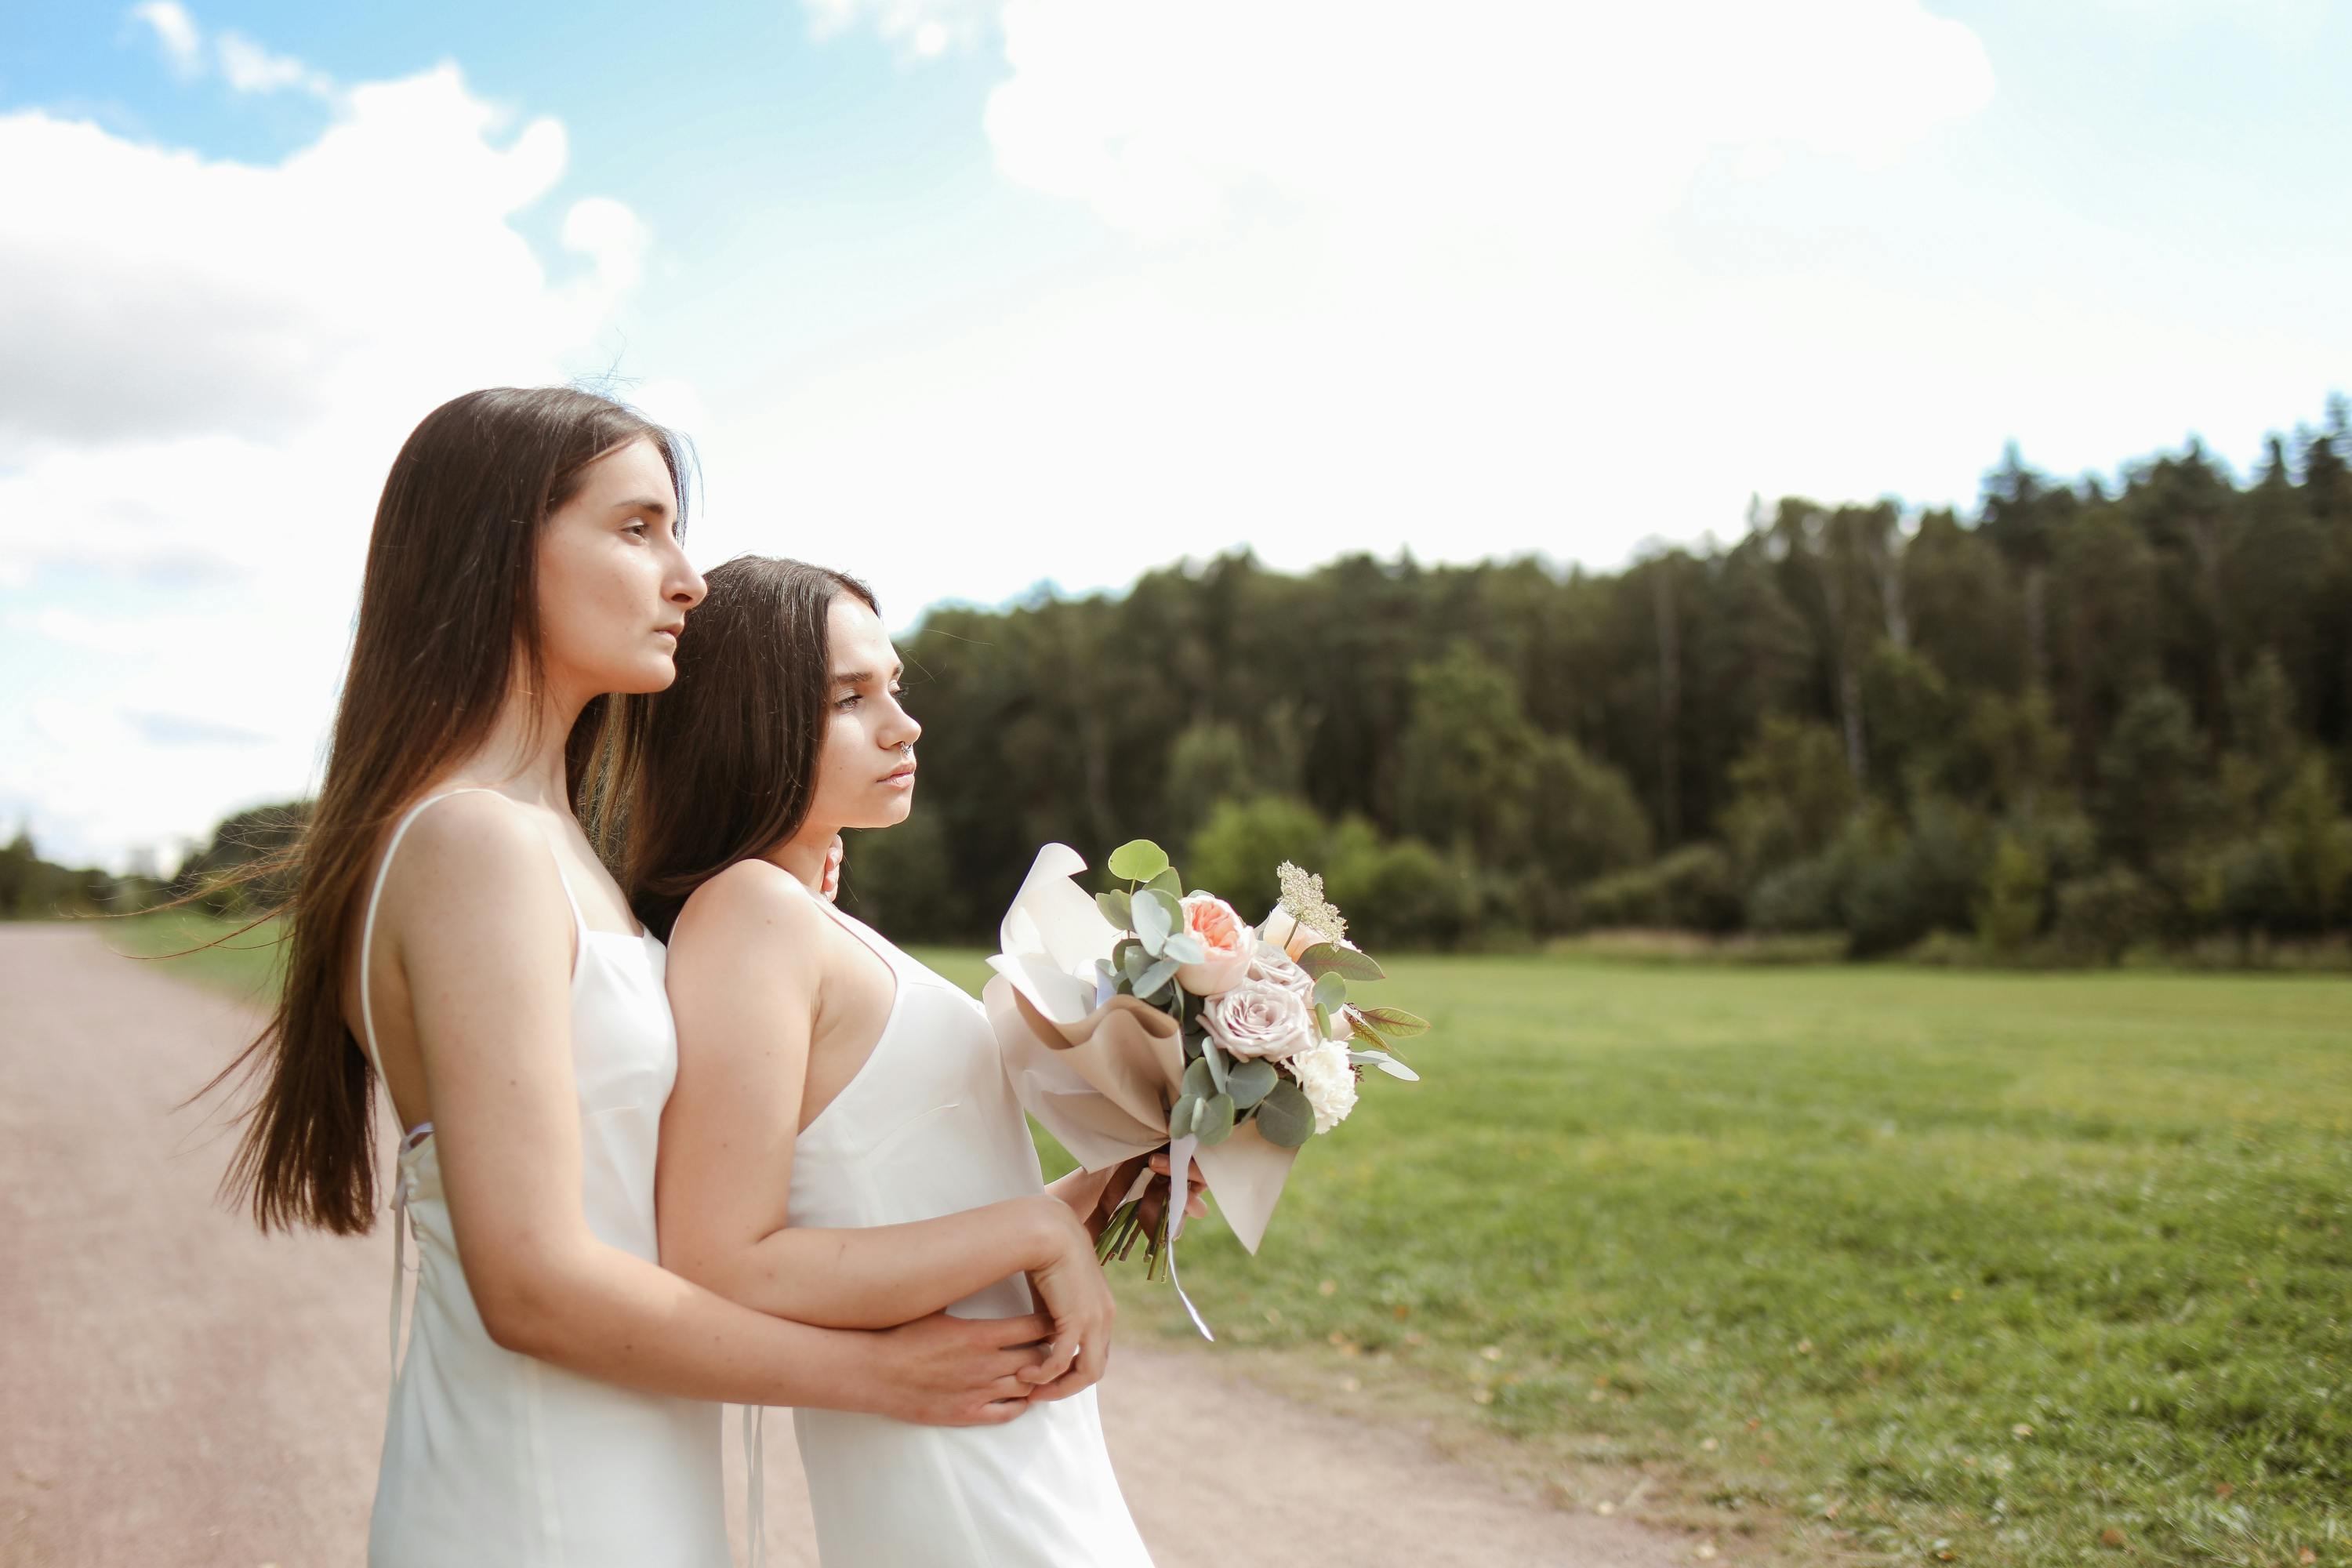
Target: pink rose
1257, 1018
1212, 922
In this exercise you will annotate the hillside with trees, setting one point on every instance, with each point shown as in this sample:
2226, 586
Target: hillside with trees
2095, 716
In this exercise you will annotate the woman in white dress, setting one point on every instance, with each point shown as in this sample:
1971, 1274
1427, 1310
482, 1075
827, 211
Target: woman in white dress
452, 933
842, 1146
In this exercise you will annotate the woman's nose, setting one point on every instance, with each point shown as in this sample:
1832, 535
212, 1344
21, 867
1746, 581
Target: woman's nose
687, 588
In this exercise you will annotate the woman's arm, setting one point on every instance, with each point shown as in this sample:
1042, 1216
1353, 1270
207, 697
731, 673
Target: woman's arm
746, 978
483, 938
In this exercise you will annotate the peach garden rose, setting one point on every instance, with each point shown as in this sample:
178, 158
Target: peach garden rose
1230, 945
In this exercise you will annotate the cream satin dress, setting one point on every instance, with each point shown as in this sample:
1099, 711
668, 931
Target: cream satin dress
500, 1460
929, 1127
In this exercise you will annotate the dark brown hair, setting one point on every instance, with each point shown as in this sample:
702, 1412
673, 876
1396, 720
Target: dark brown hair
727, 765
448, 625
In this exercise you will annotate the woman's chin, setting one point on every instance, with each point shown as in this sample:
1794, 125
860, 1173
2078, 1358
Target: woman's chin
657, 672
890, 812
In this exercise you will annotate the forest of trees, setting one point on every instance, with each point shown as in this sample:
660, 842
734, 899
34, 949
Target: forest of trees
2091, 718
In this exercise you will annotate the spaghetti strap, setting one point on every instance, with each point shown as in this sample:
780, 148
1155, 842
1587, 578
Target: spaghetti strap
375, 895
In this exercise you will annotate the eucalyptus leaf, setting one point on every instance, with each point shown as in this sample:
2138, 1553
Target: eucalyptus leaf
1134, 960
1198, 1082
1179, 1119
1395, 1022
1213, 1122
1386, 1063
1157, 918
1121, 948
1331, 994
1184, 948
1283, 1118
1114, 908
1169, 883
1329, 958
1216, 1057
1148, 984
1138, 861
1249, 1081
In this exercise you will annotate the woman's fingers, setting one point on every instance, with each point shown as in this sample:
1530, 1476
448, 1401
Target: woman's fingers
1059, 1356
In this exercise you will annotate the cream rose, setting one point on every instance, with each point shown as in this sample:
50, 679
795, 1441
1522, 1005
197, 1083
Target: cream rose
1328, 1081
1258, 1019
1283, 931
1270, 964
1231, 946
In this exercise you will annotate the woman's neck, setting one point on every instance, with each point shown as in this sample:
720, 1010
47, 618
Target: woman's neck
802, 855
524, 750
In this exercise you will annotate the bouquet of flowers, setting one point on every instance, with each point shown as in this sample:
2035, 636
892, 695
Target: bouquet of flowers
1147, 1017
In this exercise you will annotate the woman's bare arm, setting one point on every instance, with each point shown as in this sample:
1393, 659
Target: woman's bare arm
483, 936
746, 973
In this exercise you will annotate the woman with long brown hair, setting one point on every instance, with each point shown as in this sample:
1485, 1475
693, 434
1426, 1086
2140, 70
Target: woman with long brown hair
842, 1145
453, 933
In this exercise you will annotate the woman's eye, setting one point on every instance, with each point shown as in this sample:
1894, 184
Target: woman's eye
852, 701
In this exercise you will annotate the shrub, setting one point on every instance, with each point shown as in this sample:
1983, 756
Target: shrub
2104, 916
1236, 850
2009, 910
1693, 888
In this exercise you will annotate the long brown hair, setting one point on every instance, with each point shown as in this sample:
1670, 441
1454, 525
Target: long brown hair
448, 625
727, 765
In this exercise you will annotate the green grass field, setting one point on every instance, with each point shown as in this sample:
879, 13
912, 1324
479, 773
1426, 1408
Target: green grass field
2027, 1269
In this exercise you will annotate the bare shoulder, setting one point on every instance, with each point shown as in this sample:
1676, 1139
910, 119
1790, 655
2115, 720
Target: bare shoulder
473, 856
751, 913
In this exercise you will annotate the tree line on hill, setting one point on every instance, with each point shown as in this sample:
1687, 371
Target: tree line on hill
2089, 719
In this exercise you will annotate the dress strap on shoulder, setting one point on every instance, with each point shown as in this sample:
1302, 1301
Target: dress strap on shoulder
375, 895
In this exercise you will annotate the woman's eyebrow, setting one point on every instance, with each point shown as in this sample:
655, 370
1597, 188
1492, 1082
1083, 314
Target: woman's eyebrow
852, 678
643, 503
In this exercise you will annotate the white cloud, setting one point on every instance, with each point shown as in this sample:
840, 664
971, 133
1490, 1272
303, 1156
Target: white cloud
175, 31
249, 68
923, 29
212, 364
1397, 278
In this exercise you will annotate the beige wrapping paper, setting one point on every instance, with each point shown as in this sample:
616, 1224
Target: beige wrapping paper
1101, 1079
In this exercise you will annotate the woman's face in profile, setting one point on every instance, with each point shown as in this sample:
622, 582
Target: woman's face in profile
615, 585
866, 765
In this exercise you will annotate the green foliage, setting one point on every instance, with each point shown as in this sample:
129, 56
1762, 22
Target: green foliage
2104, 916
2154, 792
2010, 913
1694, 888
1236, 852
1792, 793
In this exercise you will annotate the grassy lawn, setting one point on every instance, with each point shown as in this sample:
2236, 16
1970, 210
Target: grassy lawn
2017, 1270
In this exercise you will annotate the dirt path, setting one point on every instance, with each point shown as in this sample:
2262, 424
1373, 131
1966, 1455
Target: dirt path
174, 1388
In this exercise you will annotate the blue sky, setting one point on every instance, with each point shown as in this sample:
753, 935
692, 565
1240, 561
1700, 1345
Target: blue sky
963, 295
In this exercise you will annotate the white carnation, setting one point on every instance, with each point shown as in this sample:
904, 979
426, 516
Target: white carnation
1328, 1079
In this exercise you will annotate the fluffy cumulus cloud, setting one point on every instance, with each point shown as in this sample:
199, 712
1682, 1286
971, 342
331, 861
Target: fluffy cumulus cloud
1548, 121
211, 364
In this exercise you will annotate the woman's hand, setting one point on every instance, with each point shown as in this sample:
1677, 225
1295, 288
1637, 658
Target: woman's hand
1094, 1196
1070, 1286
958, 1372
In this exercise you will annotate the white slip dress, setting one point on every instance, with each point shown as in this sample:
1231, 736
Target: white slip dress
929, 1127
501, 1460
